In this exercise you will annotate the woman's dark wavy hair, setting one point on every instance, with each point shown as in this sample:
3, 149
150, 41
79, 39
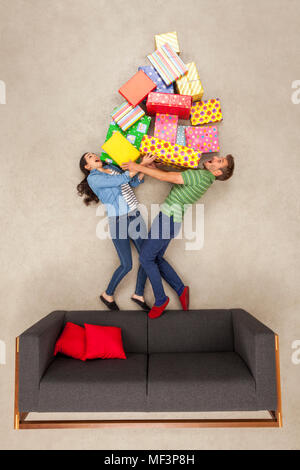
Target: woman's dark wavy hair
83, 188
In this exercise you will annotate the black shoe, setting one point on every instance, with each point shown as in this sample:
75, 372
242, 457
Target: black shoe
111, 305
143, 305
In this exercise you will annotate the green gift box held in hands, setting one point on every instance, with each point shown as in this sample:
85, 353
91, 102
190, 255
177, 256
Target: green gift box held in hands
134, 135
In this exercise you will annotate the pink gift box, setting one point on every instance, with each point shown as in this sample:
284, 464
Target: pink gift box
166, 127
203, 139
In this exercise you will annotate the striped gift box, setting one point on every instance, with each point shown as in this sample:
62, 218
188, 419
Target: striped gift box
126, 115
190, 83
169, 38
168, 64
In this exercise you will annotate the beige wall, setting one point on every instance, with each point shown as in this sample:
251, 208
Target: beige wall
63, 62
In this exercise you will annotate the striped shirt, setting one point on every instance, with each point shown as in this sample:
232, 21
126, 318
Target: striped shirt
196, 183
127, 193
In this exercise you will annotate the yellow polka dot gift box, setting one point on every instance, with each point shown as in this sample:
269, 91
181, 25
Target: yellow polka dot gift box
205, 111
174, 155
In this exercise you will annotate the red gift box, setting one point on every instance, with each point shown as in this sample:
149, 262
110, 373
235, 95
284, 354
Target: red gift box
168, 103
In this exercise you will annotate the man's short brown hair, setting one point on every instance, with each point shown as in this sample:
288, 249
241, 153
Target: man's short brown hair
227, 172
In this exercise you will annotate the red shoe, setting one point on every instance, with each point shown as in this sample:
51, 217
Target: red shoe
185, 298
156, 312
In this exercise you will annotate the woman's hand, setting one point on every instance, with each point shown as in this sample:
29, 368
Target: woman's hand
130, 166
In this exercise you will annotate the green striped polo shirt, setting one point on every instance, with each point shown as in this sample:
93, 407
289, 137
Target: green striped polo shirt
196, 183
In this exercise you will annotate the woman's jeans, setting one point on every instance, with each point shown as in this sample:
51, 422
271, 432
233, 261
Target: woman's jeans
123, 229
162, 231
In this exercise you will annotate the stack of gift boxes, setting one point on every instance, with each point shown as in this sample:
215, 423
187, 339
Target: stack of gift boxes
170, 90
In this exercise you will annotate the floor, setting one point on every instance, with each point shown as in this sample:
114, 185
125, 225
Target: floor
62, 63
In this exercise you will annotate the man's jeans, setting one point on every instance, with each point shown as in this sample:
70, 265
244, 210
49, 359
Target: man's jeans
156, 267
123, 229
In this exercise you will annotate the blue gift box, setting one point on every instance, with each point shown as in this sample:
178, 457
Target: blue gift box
180, 139
156, 78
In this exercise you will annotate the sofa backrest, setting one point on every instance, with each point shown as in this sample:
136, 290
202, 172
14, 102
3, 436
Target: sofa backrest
174, 331
133, 324
193, 331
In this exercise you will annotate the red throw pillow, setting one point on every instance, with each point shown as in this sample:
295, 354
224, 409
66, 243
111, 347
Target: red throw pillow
104, 342
71, 342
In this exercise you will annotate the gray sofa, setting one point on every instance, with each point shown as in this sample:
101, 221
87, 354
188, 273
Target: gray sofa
201, 360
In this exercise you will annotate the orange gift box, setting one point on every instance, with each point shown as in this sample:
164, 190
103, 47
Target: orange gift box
137, 88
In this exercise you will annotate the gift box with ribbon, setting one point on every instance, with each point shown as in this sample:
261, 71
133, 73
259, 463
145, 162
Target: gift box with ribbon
190, 83
167, 103
174, 155
202, 139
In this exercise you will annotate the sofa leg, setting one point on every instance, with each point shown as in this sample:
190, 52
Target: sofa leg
16, 412
278, 412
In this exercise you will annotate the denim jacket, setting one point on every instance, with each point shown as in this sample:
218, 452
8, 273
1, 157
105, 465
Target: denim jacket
108, 189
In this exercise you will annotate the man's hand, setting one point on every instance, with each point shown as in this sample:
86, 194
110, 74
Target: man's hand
148, 159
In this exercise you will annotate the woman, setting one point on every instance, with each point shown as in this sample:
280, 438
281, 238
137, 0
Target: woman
113, 187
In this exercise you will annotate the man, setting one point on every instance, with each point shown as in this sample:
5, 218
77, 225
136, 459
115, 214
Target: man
189, 186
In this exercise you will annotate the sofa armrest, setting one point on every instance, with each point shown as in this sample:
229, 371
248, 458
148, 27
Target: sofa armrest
36, 347
255, 343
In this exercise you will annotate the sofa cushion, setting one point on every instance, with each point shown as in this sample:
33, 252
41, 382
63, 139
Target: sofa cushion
193, 331
200, 382
96, 385
71, 342
133, 324
104, 342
